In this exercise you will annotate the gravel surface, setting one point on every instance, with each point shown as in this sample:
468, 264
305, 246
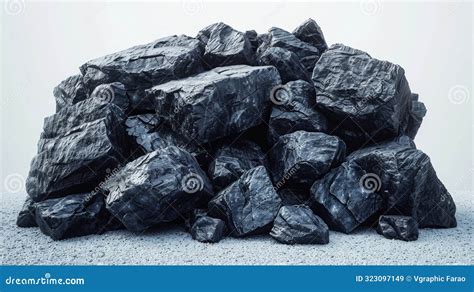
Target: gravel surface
171, 245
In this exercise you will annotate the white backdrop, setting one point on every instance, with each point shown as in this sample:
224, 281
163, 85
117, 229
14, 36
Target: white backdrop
45, 42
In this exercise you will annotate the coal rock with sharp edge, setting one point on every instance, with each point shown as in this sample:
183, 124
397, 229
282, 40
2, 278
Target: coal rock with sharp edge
70, 91
208, 229
398, 227
310, 32
26, 217
286, 62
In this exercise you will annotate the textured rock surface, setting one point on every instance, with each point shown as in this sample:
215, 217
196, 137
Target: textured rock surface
300, 158
417, 113
231, 161
286, 62
216, 103
208, 229
159, 187
398, 227
367, 99
26, 217
299, 225
294, 110
249, 205
69, 92
310, 32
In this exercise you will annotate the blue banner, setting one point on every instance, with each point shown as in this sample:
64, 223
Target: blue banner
237, 278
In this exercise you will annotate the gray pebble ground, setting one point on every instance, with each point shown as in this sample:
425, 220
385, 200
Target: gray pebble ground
173, 246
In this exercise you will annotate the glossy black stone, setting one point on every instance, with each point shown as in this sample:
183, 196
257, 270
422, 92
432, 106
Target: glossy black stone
310, 32
26, 217
70, 91
208, 229
286, 62
398, 227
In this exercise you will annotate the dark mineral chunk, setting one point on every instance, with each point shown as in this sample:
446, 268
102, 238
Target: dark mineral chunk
142, 66
294, 110
310, 32
299, 225
249, 205
365, 98
300, 158
159, 187
231, 161
286, 62
77, 161
26, 217
398, 227
293, 196
192, 216
417, 113
70, 91
216, 103
208, 229
73, 215
252, 36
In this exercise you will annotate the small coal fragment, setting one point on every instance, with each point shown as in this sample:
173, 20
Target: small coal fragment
158, 187
286, 62
310, 32
252, 36
249, 205
192, 216
417, 113
73, 215
26, 217
69, 92
231, 161
208, 229
398, 227
299, 225
300, 158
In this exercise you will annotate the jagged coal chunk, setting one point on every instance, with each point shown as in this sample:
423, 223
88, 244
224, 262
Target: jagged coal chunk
300, 158
286, 62
26, 217
231, 161
366, 99
192, 216
142, 66
310, 32
73, 215
252, 36
277, 37
77, 161
417, 113
217, 103
70, 91
225, 46
249, 205
398, 227
294, 110
208, 229
299, 225
158, 187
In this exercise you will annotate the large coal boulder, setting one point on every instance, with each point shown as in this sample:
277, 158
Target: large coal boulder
310, 32
217, 103
70, 91
366, 99
398, 227
294, 110
78, 160
231, 161
300, 158
73, 215
26, 217
208, 229
299, 225
286, 62
142, 66
249, 205
159, 187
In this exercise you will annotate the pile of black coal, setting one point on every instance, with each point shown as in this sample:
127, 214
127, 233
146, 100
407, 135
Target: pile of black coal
236, 133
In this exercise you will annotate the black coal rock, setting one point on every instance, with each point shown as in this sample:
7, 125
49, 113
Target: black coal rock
299, 225
159, 187
300, 158
192, 216
398, 227
310, 32
217, 103
286, 62
26, 217
73, 215
252, 36
249, 205
417, 113
231, 161
70, 91
208, 229
293, 196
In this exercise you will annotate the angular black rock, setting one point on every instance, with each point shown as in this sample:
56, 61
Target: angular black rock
231, 161
77, 161
217, 103
398, 227
226, 46
73, 215
142, 66
366, 99
70, 91
294, 110
158, 187
300, 158
310, 32
307, 54
417, 113
192, 216
208, 229
26, 217
252, 36
286, 62
299, 225
249, 205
